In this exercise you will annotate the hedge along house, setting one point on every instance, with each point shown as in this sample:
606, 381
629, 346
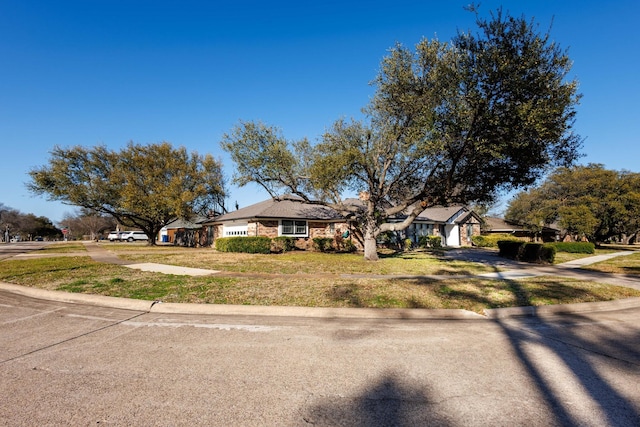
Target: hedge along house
282, 216
454, 224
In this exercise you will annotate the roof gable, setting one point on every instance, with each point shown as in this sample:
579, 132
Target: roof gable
446, 214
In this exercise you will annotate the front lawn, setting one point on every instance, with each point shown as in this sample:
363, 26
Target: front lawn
303, 279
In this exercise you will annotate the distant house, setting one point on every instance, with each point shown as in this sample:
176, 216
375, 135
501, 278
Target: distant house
291, 216
182, 232
493, 225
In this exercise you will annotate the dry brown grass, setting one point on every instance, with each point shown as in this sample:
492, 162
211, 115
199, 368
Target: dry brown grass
413, 263
82, 274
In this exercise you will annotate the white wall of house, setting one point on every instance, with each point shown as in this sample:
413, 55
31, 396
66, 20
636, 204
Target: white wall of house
452, 235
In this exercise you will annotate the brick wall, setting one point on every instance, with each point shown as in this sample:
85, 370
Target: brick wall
463, 233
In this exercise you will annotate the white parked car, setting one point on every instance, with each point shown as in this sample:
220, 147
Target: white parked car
115, 235
130, 236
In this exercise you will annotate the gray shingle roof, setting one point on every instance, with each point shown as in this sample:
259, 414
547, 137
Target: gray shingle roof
289, 207
292, 207
440, 213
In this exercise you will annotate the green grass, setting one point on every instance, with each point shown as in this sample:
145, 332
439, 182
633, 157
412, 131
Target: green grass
629, 264
562, 257
83, 275
63, 247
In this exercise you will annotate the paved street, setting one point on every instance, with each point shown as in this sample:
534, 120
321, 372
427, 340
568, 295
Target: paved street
78, 360
76, 364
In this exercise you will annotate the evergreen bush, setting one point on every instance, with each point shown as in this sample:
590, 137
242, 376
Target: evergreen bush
527, 252
575, 247
349, 246
510, 248
283, 244
252, 245
430, 242
323, 244
491, 240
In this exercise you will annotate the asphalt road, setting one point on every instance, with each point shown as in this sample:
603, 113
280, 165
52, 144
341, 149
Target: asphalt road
76, 364
80, 363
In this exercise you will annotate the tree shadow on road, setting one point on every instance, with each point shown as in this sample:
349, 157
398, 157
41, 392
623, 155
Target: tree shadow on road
582, 356
387, 402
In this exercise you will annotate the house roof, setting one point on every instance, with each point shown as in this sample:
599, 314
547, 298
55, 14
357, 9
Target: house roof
293, 207
444, 214
183, 223
289, 207
503, 226
499, 224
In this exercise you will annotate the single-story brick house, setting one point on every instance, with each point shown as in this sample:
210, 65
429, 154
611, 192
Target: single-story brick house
281, 216
291, 216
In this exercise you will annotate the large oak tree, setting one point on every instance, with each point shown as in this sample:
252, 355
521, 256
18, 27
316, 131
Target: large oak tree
450, 122
143, 186
584, 201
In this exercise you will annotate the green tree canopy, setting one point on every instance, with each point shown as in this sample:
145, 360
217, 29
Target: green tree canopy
585, 201
143, 186
27, 226
450, 123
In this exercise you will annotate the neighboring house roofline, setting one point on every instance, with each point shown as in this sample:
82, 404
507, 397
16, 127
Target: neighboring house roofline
496, 224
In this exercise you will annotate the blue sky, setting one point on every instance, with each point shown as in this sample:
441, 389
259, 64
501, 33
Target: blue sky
91, 72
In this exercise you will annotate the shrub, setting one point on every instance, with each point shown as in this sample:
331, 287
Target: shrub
510, 248
547, 254
481, 241
349, 246
491, 240
538, 253
323, 244
283, 244
435, 242
252, 245
527, 252
575, 247
430, 242
407, 244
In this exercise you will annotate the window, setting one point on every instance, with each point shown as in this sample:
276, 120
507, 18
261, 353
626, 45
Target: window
421, 229
294, 228
469, 232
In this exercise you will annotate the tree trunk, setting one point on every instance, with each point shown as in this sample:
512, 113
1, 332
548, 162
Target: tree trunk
370, 249
370, 246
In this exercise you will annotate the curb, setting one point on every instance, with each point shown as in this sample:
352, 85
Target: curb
241, 310
553, 310
317, 312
